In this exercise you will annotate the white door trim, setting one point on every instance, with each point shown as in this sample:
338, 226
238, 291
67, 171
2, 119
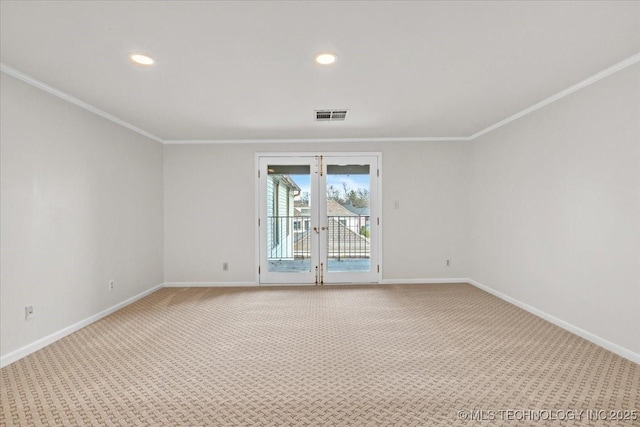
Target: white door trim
378, 207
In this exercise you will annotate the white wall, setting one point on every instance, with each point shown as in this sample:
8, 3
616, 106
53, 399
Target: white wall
210, 209
555, 200
545, 210
81, 204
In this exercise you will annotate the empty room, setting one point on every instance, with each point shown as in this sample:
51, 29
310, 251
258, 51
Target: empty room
292, 213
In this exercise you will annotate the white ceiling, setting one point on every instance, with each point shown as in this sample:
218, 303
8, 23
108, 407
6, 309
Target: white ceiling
244, 70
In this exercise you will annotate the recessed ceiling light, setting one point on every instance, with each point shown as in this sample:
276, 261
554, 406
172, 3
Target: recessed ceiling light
325, 58
140, 59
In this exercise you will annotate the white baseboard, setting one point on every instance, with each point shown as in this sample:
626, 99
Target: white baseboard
208, 284
620, 351
249, 284
422, 281
43, 342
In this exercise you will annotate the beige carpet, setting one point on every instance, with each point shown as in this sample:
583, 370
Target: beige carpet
372, 355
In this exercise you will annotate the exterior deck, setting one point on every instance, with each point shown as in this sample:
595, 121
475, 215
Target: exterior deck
304, 265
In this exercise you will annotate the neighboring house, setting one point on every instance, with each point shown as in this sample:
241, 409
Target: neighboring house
344, 237
344, 227
301, 228
281, 190
338, 213
363, 215
302, 217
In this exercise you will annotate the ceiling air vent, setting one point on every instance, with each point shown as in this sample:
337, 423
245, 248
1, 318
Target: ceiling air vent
331, 115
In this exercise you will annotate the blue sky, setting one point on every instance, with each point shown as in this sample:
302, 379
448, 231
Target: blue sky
353, 182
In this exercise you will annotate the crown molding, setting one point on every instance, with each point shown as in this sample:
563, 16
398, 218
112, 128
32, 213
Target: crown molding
73, 100
566, 92
312, 140
634, 59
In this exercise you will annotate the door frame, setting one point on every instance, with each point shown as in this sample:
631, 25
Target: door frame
257, 208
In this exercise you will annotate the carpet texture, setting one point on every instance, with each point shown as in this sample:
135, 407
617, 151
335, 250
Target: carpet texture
409, 355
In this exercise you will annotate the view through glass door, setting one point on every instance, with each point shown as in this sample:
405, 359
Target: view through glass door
318, 219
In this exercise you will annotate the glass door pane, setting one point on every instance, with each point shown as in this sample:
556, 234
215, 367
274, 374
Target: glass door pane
348, 217
288, 225
288, 244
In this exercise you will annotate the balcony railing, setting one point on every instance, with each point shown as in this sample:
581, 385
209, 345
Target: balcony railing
289, 237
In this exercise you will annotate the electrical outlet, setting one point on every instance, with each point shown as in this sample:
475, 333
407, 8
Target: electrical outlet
448, 262
111, 285
28, 312
225, 266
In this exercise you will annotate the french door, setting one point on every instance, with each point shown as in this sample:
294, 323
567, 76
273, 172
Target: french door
318, 218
